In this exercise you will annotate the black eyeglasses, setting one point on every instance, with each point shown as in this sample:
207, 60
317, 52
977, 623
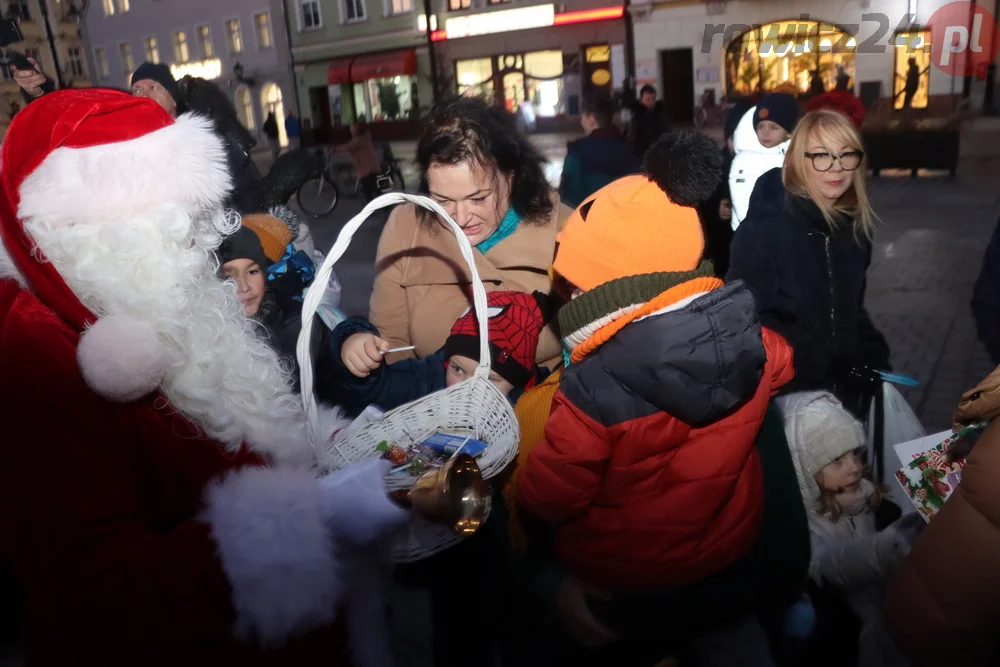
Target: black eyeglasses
849, 160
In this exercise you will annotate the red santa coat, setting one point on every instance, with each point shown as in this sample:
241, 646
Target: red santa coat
105, 521
133, 539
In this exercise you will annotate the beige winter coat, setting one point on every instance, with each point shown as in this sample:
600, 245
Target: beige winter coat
422, 283
943, 606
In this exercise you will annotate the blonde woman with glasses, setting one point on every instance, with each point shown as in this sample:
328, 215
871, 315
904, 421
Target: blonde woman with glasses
804, 249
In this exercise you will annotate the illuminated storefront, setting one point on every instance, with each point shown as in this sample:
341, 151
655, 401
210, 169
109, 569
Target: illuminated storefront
537, 55
380, 87
789, 52
912, 50
742, 47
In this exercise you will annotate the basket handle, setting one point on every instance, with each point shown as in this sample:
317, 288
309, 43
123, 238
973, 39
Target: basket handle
315, 294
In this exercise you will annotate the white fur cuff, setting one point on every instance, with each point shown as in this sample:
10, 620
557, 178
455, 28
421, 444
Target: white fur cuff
276, 551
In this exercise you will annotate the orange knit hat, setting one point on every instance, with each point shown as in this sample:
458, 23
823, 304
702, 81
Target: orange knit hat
273, 233
644, 223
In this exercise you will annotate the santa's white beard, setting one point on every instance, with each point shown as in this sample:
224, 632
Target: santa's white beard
160, 269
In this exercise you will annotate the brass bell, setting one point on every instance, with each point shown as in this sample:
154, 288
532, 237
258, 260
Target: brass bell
454, 495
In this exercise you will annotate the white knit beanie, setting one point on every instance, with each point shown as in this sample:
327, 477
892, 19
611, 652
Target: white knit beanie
819, 431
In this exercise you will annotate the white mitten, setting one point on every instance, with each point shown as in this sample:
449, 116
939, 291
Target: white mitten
357, 504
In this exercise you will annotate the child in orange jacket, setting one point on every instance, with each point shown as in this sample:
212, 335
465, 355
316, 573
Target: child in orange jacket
648, 472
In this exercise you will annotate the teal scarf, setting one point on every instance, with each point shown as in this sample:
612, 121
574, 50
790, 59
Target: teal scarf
506, 228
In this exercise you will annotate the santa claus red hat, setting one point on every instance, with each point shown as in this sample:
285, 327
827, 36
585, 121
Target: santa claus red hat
99, 157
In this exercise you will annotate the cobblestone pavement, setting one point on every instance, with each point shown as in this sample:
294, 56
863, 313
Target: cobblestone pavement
928, 253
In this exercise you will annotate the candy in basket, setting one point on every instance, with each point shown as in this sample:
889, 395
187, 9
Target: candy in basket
473, 410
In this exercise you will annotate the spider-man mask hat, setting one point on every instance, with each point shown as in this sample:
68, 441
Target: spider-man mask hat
516, 320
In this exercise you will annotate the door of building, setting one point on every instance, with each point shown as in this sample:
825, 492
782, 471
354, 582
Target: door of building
319, 105
677, 68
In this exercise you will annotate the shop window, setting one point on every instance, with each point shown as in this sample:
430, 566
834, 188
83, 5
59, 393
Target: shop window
262, 25
234, 36
76, 68
801, 54
128, 62
205, 42
912, 69
475, 78
271, 102
152, 50
181, 53
392, 98
101, 60
309, 15
456, 5
352, 11
543, 71
400, 7
599, 53
244, 107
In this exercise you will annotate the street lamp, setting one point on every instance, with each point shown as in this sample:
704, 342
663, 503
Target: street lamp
238, 73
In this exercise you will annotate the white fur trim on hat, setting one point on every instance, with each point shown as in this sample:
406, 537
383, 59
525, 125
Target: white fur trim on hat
121, 359
276, 550
183, 164
7, 268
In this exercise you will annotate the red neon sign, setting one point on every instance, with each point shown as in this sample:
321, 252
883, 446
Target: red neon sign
588, 15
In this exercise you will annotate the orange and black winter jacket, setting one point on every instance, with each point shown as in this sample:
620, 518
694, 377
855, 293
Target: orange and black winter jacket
648, 470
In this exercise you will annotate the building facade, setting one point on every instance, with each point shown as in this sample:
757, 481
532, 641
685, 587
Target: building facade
370, 58
69, 59
241, 46
744, 46
359, 59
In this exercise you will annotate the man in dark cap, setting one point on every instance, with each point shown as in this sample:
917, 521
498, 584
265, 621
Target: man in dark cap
155, 81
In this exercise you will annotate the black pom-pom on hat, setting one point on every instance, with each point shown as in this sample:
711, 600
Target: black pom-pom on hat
686, 165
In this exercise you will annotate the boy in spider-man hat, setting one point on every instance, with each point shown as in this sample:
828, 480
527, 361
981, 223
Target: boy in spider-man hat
352, 372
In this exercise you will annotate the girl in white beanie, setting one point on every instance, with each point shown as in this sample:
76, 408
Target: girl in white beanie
848, 554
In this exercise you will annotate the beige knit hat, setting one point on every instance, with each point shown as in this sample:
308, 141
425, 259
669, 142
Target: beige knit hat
819, 431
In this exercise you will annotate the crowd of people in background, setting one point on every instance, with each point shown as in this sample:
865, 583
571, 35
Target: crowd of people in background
680, 328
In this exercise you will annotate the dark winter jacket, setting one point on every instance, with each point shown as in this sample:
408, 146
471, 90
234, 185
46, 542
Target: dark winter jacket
646, 127
718, 232
809, 284
594, 161
271, 128
248, 192
388, 386
986, 298
648, 470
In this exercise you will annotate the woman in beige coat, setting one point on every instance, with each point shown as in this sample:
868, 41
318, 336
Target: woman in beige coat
943, 606
491, 181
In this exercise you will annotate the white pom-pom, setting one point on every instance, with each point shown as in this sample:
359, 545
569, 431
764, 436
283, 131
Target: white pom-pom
121, 359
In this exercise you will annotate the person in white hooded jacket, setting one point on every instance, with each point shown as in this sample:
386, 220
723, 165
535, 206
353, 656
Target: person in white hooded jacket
848, 554
760, 143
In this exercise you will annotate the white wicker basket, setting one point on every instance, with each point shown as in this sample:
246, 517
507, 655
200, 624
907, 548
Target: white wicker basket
474, 407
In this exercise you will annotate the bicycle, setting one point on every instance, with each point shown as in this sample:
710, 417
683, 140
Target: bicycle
319, 196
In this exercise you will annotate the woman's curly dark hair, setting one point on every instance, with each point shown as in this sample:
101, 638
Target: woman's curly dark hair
467, 129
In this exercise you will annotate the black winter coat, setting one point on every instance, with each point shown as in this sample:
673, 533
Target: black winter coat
986, 298
809, 284
718, 232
